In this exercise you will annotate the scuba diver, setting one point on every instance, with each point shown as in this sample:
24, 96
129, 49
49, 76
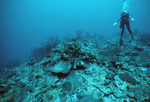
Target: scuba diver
125, 20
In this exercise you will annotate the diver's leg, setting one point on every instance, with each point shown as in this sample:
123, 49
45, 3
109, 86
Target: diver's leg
128, 27
122, 26
122, 30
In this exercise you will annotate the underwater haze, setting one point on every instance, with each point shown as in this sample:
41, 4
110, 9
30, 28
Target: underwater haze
74, 51
24, 24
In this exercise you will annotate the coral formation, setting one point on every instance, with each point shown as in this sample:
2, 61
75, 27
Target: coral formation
67, 86
86, 68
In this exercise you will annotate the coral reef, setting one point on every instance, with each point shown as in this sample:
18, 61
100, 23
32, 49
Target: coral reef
86, 68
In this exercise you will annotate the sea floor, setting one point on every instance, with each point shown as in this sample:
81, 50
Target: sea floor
86, 69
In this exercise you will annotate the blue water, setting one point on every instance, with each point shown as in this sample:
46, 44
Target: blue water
26, 23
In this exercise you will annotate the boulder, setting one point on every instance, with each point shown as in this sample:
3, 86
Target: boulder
126, 77
61, 67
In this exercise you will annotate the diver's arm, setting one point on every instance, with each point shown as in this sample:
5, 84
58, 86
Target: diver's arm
131, 19
117, 21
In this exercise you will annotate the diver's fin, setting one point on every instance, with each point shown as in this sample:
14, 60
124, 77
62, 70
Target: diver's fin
133, 43
121, 42
133, 37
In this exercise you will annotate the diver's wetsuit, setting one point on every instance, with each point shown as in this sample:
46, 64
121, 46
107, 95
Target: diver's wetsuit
125, 21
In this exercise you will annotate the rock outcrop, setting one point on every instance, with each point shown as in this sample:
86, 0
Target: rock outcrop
92, 69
